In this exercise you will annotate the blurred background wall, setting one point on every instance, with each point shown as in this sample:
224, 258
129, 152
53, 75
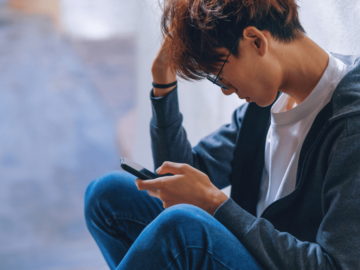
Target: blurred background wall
67, 74
50, 8
99, 19
74, 96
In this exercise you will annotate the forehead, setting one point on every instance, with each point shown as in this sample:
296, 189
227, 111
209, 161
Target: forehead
225, 57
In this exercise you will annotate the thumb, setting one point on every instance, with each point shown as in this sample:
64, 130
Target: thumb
170, 167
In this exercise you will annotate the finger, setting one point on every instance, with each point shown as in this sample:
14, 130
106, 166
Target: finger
137, 181
154, 193
148, 184
171, 167
167, 204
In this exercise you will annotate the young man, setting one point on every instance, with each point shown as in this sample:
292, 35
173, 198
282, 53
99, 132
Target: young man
291, 154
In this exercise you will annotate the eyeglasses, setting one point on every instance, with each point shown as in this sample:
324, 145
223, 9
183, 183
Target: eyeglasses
214, 79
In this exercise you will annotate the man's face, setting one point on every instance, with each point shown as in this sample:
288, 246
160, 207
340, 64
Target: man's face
253, 76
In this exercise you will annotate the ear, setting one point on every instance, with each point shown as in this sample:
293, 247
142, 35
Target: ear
256, 39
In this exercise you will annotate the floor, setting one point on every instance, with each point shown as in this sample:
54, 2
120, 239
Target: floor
60, 101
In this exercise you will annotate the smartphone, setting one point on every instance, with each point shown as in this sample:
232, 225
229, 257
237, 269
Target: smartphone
139, 171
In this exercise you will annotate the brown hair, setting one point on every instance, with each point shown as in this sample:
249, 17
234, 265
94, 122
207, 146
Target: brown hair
196, 28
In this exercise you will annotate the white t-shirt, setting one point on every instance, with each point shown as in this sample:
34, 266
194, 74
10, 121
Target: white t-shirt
287, 133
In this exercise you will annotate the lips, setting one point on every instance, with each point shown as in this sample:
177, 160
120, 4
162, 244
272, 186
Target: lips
241, 97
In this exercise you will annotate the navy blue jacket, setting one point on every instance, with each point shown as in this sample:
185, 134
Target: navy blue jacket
317, 226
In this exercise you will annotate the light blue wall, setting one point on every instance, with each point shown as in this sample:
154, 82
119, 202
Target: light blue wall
333, 24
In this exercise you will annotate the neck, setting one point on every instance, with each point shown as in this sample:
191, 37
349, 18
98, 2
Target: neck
303, 63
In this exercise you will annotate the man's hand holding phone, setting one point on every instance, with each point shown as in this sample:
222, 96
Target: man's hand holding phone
187, 185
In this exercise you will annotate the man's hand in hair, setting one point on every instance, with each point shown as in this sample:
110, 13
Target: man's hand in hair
161, 71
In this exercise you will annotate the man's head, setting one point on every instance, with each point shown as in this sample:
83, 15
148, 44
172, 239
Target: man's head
203, 33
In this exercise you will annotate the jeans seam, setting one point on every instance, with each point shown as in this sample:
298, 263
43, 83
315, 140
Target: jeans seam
131, 218
196, 247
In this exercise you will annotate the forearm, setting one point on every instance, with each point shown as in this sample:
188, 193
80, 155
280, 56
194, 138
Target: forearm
168, 138
275, 249
213, 155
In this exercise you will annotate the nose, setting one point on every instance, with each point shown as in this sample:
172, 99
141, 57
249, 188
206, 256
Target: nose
228, 92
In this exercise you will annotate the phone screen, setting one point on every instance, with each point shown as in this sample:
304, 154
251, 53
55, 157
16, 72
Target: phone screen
137, 170
133, 164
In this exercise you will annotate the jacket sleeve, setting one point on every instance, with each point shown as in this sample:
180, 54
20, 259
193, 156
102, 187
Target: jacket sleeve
338, 239
213, 155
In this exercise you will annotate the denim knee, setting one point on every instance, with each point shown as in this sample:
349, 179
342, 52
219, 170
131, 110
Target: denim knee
181, 216
110, 185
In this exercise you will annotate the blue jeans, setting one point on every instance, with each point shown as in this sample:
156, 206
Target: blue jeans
134, 231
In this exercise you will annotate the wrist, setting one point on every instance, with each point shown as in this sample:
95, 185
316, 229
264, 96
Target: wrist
164, 86
160, 92
163, 75
218, 199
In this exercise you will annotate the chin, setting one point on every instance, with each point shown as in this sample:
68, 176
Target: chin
265, 102
262, 103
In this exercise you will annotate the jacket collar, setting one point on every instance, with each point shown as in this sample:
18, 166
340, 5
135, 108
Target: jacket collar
250, 146
346, 96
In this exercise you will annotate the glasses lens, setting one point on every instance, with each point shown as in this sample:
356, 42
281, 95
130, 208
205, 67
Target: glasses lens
213, 79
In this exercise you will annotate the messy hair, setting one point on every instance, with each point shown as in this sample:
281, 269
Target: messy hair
195, 29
